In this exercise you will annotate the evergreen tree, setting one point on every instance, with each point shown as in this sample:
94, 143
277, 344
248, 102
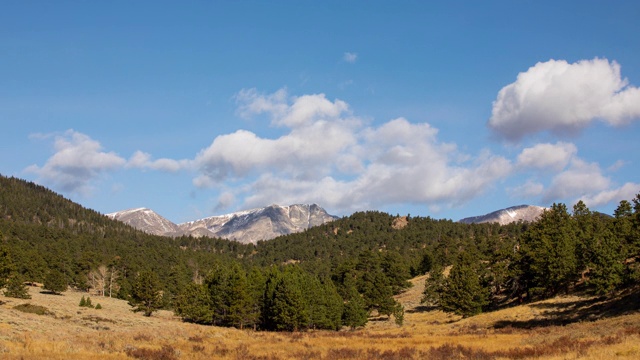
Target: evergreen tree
256, 283
355, 313
548, 253
55, 282
83, 302
426, 263
194, 305
238, 298
145, 293
606, 266
433, 286
6, 265
289, 310
462, 292
16, 288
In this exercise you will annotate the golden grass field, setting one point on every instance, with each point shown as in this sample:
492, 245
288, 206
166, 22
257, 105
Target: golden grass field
562, 328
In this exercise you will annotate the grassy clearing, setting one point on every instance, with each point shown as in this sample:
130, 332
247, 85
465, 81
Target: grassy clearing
562, 328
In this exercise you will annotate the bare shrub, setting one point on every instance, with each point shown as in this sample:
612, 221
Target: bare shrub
142, 337
167, 352
196, 339
451, 352
343, 353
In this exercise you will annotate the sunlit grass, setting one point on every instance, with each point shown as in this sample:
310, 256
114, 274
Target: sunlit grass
71, 332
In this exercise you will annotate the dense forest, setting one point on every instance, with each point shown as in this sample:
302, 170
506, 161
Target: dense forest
327, 277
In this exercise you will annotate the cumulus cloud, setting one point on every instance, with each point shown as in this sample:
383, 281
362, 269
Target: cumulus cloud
77, 161
625, 192
561, 97
579, 180
350, 57
143, 160
329, 156
547, 156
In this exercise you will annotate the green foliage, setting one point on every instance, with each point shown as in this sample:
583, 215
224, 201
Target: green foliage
55, 282
145, 293
16, 288
355, 314
98, 306
85, 302
33, 309
194, 305
549, 260
6, 265
462, 292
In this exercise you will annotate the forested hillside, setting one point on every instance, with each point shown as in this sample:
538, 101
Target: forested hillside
329, 276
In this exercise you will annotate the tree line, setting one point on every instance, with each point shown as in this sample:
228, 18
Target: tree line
560, 253
333, 275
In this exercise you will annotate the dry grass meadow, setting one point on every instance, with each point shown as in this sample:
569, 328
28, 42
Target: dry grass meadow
562, 328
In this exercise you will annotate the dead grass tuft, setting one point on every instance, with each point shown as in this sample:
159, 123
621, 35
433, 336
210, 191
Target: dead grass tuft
167, 352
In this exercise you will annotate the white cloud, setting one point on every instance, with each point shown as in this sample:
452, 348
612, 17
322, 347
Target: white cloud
579, 180
77, 161
527, 190
547, 156
625, 192
350, 57
331, 157
563, 98
143, 160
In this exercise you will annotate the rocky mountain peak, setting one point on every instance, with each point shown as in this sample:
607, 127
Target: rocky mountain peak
248, 226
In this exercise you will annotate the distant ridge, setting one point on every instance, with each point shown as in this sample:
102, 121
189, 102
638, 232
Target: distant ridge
527, 213
249, 226
147, 220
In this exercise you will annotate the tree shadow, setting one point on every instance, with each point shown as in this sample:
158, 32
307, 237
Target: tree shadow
592, 309
422, 308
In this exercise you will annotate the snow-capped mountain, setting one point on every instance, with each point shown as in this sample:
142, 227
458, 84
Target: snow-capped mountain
247, 226
505, 216
250, 226
146, 220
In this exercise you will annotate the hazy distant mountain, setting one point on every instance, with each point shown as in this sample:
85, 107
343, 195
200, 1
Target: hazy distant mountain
147, 220
505, 216
248, 226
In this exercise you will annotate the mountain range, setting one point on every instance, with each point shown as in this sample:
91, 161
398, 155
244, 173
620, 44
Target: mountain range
249, 226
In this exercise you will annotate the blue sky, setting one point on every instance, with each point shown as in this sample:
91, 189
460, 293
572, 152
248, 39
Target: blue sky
445, 109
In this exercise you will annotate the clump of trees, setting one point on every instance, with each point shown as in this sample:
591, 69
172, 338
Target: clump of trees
559, 253
288, 298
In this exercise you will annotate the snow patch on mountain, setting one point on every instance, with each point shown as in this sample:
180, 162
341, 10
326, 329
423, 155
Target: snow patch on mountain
528, 213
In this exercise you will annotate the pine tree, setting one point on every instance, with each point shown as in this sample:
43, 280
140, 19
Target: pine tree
548, 253
16, 288
194, 305
6, 265
289, 306
55, 282
83, 302
606, 266
355, 313
145, 293
462, 292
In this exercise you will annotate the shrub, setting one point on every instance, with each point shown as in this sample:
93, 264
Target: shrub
33, 309
98, 306
167, 352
